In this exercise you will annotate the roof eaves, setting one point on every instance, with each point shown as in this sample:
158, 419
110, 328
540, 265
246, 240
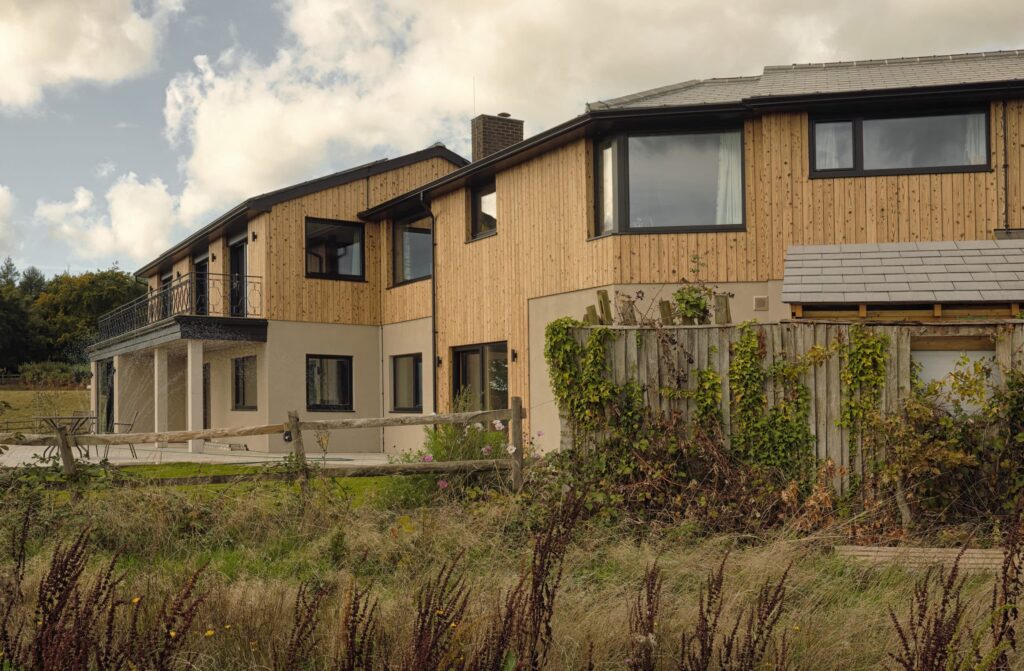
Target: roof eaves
634, 97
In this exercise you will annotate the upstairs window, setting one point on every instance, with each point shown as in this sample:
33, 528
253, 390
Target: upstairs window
670, 182
934, 143
334, 249
485, 211
412, 251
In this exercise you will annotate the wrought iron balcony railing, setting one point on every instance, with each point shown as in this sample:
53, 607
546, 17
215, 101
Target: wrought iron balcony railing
202, 294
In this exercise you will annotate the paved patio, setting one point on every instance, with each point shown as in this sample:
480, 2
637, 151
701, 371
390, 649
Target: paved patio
16, 455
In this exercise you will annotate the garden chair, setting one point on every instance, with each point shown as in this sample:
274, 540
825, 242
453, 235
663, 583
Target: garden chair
85, 427
129, 427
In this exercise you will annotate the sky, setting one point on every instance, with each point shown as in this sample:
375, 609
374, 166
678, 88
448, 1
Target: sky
124, 126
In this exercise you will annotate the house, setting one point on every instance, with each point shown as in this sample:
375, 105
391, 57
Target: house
884, 188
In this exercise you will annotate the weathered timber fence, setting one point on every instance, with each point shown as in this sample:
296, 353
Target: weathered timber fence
293, 431
668, 357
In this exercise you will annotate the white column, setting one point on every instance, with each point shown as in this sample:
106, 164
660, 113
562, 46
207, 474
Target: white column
94, 391
194, 392
160, 392
119, 361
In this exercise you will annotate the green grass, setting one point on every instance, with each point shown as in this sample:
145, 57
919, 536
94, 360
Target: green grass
26, 404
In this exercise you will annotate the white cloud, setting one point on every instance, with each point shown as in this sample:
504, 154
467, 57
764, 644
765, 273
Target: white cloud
50, 43
6, 213
137, 223
105, 169
358, 78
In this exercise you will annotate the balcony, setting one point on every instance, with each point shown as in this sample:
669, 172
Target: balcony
194, 294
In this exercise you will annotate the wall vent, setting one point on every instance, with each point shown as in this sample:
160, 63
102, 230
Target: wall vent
760, 304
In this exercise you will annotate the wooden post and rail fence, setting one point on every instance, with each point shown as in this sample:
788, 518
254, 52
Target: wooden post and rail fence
292, 430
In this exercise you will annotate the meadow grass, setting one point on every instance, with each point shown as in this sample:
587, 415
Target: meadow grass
26, 403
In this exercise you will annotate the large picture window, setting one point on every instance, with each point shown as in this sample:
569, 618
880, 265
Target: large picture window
933, 143
243, 386
328, 383
670, 182
481, 376
412, 251
334, 249
407, 383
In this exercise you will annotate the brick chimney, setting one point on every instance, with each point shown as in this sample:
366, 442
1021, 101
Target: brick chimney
494, 133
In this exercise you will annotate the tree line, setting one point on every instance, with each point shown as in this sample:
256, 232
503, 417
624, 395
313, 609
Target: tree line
55, 319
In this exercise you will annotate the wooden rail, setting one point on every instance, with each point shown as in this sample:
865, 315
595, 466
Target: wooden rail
292, 431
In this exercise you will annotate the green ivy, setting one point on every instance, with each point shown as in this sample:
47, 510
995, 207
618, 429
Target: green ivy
580, 375
863, 377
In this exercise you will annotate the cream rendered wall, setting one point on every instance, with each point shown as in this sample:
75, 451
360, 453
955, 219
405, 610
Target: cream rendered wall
221, 413
177, 390
410, 337
134, 389
288, 343
545, 426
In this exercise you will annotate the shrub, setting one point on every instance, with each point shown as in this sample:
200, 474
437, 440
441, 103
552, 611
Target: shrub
55, 374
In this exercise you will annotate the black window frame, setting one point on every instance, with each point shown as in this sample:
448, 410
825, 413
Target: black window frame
620, 220
476, 193
395, 235
417, 358
340, 407
857, 121
481, 348
238, 400
357, 225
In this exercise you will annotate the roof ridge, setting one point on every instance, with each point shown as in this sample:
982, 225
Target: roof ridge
973, 55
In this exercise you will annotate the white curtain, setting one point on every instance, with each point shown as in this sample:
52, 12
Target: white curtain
826, 149
729, 210
976, 139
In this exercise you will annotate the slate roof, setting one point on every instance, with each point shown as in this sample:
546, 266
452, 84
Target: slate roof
913, 272
829, 78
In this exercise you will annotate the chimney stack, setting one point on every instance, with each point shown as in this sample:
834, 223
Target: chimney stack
494, 133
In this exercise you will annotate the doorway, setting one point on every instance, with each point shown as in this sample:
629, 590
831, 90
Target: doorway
206, 396
237, 261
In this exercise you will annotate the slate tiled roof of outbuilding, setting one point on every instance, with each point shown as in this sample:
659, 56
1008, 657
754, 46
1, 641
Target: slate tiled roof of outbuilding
970, 271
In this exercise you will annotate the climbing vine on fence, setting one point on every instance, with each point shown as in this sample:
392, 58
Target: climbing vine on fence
863, 376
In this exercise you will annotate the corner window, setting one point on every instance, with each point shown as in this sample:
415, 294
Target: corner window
485, 211
407, 383
412, 251
481, 376
933, 143
334, 249
675, 182
328, 383
243, 386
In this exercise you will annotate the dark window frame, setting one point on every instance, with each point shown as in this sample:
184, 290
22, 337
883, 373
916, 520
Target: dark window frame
481, 348
340, 407
395, 227
238, 400
417, 382
357, 225
857, 120
620, 220
476, 192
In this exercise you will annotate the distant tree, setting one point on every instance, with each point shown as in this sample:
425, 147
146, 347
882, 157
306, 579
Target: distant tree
9, 274
16, 341
65, 314
32, 283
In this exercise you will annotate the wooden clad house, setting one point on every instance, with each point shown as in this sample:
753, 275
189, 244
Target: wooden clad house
463, 264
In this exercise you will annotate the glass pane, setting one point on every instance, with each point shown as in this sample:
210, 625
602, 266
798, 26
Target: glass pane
407, 382
412, 259
245, 382
470, 375
497, 376
487, 210
334, 249
925, 142
833, 145
686, 180
606, 214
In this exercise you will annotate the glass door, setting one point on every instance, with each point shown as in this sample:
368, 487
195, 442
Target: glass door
237, 270
202, 288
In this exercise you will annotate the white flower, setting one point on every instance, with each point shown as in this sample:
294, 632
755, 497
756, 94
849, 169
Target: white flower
498, 425
478, 426
511, 449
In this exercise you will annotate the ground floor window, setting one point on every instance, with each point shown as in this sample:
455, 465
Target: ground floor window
244, 383
328, 383
407, 383
481, 376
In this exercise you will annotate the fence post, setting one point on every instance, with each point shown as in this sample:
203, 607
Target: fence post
64, 448
515, 431
297, 448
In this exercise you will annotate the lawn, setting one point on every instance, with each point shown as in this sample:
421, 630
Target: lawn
26, 404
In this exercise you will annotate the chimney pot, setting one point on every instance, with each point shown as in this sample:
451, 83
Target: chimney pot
492, 133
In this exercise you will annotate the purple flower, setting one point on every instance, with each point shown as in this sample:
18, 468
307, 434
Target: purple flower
498, 425
442, 484
486, 450
428, 457
540, 433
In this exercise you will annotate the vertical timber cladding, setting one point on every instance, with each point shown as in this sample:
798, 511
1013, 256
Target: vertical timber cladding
290, 295
784, 207
545, 214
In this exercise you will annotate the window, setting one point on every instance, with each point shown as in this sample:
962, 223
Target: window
412, 251
334, 249
243, 386
481, 376
407, 383
670, 182
328, 383
485, 211
955, 142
